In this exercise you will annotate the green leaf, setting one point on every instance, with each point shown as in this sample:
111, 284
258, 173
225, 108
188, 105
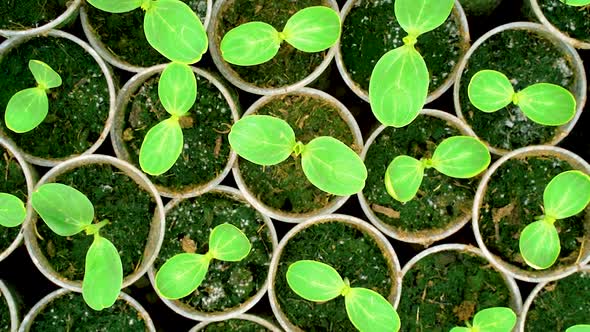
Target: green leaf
539, 244
490, 91
314, 281
333, 167
262, 139
461, 157
12, 210
567, 194
181, 275
576, 3
547, 104
103, 275
46, 77
313, 29
26, 109
498, 319
579, 327
250, 44
161, 147
174, 30
64, 209
403, 178
399, 86
116, 6
370, 312
177, 88
460, 329
417, 17
228, 243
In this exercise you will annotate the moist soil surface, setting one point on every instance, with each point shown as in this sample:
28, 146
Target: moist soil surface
12, 181
4, 314
117, 198
441, 199
26, 14
78, 109
284, 186
370, 30
574, 21
227, 284
353, 253
514, 198
289, 65
235, 325
445, 289
525, 58
205, 127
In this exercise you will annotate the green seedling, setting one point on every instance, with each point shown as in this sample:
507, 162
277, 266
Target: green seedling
183, 273
12, 210
544, 103
579, 328
312, 29
566, 195
329, 164
458, 157
29, 107
579, 3
318, 282
399, 82
67, 212
498, 319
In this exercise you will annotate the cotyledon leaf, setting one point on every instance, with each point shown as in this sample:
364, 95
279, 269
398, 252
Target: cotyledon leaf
12, 210
547, 104
490, 90
314, 281
567, 194
26, 109
496, 319
229, 243
181, 275
370, 312
539, 244
461, 157
250, 44
161, 147
313, 29
103, 274
177, 88
403, 178
116, 6
45, 76
417, 17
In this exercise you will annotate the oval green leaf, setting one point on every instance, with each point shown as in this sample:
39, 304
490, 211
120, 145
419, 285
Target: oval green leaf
539, 244
498, 319
250, 44
177, 88
313, 29
403, 178
547, 104
490, 91
12, 210
333, 167
417, 17
579, 327
567, 194
116, 6
103, 274
461, 329
26, 109
398, 87
181, 275
262, 139
314, 281
161, 147
46, 77
461, 157
64, 209
576, 3
370, 312
229, 243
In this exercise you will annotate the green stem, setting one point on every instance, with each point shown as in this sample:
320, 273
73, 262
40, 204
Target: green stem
298, 149
93, 229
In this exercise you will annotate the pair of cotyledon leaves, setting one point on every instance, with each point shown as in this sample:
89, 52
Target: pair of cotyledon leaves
12, 210
329, 164
496, 319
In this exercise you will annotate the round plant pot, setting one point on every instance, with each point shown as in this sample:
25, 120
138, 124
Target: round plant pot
395, 219
258, 79
347, 233
546, 59
27, 179
126, 205
468, 288
308, 111
498, 214
80, 110
84, 315
205, 212
129, 59
565, 28
70, 13
6, 296
257, 321
206, 158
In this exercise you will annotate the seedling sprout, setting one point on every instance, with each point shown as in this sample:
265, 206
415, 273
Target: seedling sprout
12, 210
497, 319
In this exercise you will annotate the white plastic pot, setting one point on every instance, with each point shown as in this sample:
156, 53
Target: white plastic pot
12, 306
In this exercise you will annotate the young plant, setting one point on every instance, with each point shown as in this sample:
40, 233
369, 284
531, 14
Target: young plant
67, 212
458, 157
29, 107
328, 163
312, 29
399, 82
498, 319
544, 103
12, 210
579, 328
579, 3
318, 282
566, 195
183, 273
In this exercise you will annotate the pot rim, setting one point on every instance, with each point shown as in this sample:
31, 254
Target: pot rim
72, 10
560, 34
12, 307
253, 318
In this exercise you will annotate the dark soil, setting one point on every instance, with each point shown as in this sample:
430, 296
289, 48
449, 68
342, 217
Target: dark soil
235, 325
4, 314
26, 14
574, 21
13, 182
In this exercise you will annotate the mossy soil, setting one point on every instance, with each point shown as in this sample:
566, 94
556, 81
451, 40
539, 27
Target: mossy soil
117, 198
446, 289
4, 314
26, 14
205, 127
284, 186
441, 200
227, 284
370, 30
123, 33
235, 325
525, 58
78, 109
514, 198
289, 65
12, 181
352, 252
574, 21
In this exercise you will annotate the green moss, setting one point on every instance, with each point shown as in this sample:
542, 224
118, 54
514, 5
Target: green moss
25, 14
4, 314
12, 181
571, 20
235, 325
